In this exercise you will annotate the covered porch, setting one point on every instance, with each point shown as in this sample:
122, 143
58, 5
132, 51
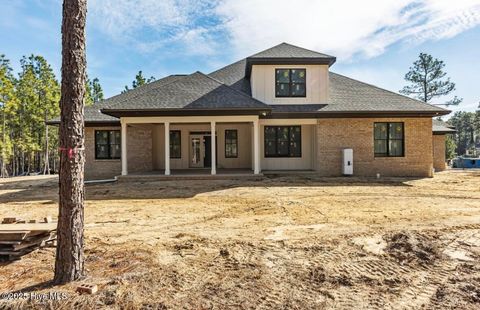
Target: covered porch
190, 146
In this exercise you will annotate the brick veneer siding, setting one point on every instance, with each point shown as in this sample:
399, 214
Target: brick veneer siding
333, 135
439, 152
139, 150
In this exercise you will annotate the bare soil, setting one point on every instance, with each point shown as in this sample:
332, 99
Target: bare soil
283, 242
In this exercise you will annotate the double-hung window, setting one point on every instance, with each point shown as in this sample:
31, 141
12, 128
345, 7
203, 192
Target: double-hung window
389, 140
231, 143
107, 144
283, 141
290, 83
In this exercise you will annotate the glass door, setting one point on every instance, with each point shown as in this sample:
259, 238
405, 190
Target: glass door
196, 152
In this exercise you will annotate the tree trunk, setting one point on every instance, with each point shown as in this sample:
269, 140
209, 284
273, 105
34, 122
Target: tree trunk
4, 172
69, 261
46, 168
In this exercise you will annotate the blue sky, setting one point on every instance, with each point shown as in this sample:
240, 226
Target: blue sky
374, 40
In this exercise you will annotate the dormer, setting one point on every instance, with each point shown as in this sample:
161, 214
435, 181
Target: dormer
287, 74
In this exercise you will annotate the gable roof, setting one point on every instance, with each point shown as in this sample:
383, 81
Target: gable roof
196, 91
287, 54
285, 50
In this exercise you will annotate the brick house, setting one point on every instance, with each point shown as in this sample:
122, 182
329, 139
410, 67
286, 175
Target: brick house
280, 109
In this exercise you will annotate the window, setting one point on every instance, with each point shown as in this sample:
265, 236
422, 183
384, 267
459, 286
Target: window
388, 140
107, 144
290, 83
283, 141
175, 144
231, 143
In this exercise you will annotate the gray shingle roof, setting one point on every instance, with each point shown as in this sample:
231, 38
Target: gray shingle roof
347, 94
234, 76
229, 88
285, 50
442, 127
93, 114
194, 91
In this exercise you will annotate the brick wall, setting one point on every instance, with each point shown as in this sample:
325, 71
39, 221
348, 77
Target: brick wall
101, 168
333, 135
139, 148
439, 152
139, 153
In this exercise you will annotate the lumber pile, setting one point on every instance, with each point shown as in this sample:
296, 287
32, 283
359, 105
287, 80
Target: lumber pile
19, 237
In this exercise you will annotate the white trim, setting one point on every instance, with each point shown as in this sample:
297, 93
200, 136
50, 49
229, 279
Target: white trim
189, 119
214, 149
124, 148
256, 147
288, 121
167, 148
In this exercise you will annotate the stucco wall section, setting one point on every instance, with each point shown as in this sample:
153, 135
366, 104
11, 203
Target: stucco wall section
333, 135
439, 152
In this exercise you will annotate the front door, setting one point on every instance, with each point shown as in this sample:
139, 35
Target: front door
197, 151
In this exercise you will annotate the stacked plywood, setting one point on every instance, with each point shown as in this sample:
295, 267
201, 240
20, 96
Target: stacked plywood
19, 238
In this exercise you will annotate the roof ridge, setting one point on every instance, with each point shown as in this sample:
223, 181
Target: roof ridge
144, 85
135, 96
292, 45
310, 50
389, 91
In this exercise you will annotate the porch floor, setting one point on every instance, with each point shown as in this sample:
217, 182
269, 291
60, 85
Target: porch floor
194, 173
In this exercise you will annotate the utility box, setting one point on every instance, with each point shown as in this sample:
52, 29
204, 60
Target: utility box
347, 167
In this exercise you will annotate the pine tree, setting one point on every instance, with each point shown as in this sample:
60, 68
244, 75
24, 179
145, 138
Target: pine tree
139, 81
427, 81
38, 92
94, 91
7, 100
69, 260
467, 132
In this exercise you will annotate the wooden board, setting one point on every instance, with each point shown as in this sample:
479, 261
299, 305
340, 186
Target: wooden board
31, 227
13, 235
9, 242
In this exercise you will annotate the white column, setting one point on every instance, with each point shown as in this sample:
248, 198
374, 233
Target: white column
167, 148
214, 143
256, 147
124, 148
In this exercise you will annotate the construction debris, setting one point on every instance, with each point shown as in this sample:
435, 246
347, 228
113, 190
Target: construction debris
87, 288
18, 238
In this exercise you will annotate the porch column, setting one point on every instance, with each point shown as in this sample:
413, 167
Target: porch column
124, 148
167, 148
256, 147
214, 143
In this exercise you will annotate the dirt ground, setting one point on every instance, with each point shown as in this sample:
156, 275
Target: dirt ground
284, 242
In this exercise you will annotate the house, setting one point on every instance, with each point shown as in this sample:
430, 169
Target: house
281, 109
440, 130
